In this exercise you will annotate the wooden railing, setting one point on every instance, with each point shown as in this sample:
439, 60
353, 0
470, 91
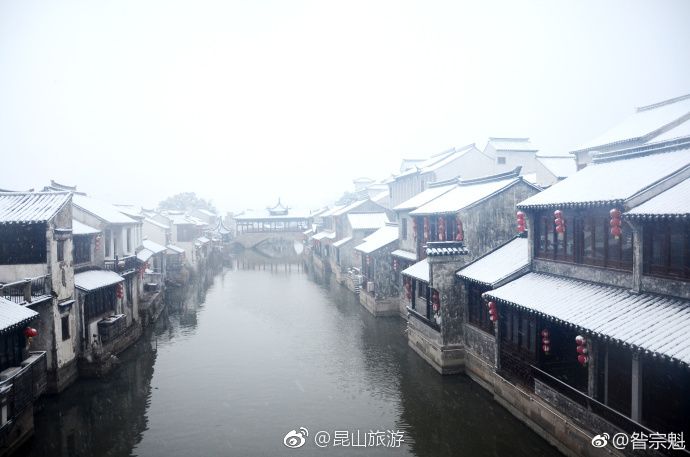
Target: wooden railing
121, 264
27, 290
20, 386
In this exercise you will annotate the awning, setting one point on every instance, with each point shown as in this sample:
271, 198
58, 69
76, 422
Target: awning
419, 270
153, 246
342, 242
655, 323
324, 235
13, 315
82, 229
380, 238
407, 255
144, 255
96, 279
499, 264
174, 249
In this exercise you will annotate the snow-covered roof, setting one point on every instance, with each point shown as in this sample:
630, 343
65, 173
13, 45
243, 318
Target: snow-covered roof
407, 255
144, 255
95, 279
82, 229
381, 196
153, 246
13, 315
644, 124
175, 249
512, 144
380, 238
499, 264
345, 209
613, 181
308, 232
531, 178
658, 324
103, 210
465, 195
367, 221
325, 234
342, 242
419, 270
673, 202
30, 207
265, 214
456, 154
425, 197
156, 223
331, 212
559, 166
207, 212
133, 211
203, 240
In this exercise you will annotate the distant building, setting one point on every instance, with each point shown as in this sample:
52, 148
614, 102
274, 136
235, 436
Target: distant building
665, 121
551, 169
509, 153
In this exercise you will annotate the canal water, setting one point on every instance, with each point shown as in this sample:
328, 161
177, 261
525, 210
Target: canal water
260, 350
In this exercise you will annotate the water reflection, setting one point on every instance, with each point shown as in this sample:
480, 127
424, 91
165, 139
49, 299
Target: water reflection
253, 352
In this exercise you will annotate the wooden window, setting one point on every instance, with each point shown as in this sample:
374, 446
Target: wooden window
478, 313
501, 160
82, 249
99, 302
64, 320
666, 250
587, 240
23, 244
60, 250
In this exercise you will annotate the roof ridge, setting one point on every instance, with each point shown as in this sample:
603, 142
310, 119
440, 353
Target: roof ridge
445, 182
662, 103
641, 151
491, 178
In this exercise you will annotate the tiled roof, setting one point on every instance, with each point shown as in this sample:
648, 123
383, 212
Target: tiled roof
674, 202
425, 197
499, 264
347, 208
465, 195
30, 207
407, 255
559, 166
441, 248
367, 221
326, 234
175, 249
419, 270
156, 223
654, 323
144, 255
102, 210
153, 246
512, 144
613, 181
380, 238
82, 229
95, 279
644, 124
342, 242
13, 315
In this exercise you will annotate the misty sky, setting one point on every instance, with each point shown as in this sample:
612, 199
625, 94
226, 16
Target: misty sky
243, 102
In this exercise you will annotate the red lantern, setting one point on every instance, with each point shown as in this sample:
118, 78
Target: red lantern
493, 312
546, 348
441, 228
615, 223
560, 223
414, 228
30, 332
582, 349
521, 223
368, 260
583, 359
119, 291
580, 340
581, 343
408, 289
460, 236
426, 228
395, 264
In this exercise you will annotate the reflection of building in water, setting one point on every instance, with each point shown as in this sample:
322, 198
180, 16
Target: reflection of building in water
98, 415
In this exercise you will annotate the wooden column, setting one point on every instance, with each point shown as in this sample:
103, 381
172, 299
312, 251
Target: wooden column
636, 401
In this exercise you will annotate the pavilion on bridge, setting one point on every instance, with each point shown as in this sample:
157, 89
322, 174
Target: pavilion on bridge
278, 218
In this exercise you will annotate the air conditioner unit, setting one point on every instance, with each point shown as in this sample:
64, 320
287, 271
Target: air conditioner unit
370, 287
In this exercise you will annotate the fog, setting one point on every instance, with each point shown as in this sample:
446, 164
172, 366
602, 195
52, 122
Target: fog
245, 102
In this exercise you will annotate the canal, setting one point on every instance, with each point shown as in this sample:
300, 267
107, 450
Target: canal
259, 350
